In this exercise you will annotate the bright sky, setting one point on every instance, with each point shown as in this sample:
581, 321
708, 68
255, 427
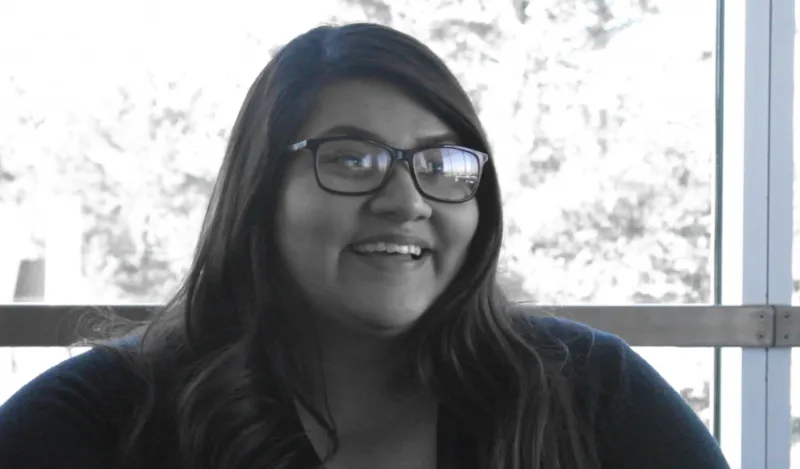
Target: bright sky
146, 29
75, 47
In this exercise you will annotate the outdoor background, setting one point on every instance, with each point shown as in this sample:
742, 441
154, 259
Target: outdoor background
114, 119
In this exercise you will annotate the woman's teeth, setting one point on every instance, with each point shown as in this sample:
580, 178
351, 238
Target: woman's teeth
388, 248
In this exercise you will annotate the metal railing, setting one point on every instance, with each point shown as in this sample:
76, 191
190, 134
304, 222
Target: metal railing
758, 326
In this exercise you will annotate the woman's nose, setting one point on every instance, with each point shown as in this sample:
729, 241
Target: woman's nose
400, 199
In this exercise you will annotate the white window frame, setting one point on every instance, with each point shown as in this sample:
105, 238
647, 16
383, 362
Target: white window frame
757, 205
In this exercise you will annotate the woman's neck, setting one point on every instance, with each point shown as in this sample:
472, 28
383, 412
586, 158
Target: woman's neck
363, 386
356, 360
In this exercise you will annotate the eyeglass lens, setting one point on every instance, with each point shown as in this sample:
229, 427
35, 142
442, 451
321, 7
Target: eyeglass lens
353, 166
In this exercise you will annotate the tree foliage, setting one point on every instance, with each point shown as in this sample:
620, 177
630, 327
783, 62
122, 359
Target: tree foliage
601, 130
600, 115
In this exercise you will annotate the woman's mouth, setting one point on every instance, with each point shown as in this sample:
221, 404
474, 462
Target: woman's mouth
411, 251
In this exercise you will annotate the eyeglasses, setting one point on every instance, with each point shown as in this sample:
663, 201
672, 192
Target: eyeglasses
351, 166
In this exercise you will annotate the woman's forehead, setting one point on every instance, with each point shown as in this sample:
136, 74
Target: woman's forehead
380, 111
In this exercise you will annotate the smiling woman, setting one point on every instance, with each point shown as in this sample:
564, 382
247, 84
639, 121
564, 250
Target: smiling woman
343, 308
344, 250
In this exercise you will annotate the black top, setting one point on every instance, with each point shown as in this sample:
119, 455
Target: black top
69, 416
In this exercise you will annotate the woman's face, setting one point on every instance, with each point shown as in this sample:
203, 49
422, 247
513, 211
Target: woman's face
322, 236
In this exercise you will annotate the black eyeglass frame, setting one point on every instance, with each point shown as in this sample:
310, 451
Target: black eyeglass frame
395, 155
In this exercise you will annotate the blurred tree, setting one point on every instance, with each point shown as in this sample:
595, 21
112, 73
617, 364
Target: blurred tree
606, 179
602, 134
160, 146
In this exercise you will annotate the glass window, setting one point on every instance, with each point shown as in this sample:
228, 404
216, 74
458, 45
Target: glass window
601, 120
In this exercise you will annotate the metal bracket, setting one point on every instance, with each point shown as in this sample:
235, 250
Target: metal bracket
765, 326
787, 326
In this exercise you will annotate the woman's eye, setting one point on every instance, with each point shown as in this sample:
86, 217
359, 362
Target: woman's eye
351, 161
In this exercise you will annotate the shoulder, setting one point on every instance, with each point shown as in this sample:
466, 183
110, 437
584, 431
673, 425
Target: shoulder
72, 412
638, 419
94, 373
598, 357
605, 370
580, 346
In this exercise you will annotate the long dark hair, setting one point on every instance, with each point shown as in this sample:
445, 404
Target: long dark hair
219, 365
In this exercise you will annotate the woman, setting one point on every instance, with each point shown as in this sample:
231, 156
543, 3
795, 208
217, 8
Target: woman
342, 307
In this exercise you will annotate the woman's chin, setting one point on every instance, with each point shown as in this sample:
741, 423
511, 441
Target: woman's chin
372, 314
385, 321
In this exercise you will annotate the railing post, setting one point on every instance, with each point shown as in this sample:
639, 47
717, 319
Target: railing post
780, 227
757, 223
10, 252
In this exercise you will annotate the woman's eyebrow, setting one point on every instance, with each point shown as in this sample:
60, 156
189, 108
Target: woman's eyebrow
350, 131
359, 132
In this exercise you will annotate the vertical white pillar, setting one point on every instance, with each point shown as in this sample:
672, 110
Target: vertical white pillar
757, 222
